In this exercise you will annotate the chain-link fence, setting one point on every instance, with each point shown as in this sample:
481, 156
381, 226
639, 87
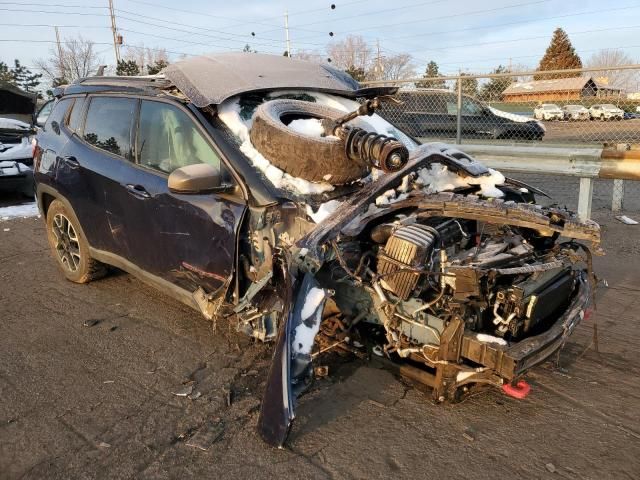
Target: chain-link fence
582, 108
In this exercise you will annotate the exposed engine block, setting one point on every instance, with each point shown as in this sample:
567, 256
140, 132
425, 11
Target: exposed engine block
409, 247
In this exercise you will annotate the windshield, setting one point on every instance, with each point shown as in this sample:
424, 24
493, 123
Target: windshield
550, 107
237, 114
609, 106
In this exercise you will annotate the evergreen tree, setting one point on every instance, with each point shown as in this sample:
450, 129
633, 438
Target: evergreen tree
157, 66
430, 72
469, 85
127, 68
247, 49
25, 78
560, 55
492, 90
5, 73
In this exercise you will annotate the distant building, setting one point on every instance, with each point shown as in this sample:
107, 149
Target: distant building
558, 89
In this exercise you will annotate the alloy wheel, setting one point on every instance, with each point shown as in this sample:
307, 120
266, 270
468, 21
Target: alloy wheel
67, 243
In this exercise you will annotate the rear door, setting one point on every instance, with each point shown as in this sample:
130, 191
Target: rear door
188, 240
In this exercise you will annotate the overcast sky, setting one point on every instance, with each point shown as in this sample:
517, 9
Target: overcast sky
468, 35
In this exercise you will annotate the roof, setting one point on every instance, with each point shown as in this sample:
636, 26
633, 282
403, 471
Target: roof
553, 85
212, 78
148, 83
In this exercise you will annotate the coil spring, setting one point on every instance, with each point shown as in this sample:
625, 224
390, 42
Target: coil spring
379, 151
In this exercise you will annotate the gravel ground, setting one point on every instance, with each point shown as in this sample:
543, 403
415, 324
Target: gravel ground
88, 375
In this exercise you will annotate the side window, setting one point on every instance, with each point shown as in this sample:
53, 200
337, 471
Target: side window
168, 139
108, 124
44, 113
76, 115
433, 104
469, 107
57, 115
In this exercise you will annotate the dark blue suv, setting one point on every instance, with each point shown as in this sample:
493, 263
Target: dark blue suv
226, 183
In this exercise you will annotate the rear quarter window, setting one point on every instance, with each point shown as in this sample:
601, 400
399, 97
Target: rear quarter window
75, 117
108, 124
57, 115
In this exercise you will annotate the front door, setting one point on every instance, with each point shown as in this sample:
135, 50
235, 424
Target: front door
187, 239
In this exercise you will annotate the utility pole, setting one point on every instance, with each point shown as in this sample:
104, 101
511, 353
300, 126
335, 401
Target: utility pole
60, 58
286, 31
379, 68
116, 39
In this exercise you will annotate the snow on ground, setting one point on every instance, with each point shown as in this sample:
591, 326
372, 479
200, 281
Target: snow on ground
19, 211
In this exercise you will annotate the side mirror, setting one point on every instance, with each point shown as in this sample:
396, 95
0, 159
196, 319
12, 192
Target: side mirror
198, 178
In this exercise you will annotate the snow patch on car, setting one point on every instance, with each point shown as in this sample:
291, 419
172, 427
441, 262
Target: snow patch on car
305, 333
311, 127
438, 178
514, 117
16, 151
11, 124
229, 113
325, 210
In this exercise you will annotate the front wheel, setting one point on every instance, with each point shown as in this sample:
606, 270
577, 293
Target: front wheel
70, 247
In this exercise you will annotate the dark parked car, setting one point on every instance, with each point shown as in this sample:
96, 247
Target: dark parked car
17, 109
432, 114
440, 265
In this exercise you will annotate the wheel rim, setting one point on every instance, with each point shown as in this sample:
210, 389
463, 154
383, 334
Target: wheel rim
67, 244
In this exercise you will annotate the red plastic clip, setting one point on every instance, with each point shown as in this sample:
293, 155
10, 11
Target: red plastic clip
520, 391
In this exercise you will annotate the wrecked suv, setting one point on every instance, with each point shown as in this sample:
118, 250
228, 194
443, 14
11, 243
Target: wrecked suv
267, 191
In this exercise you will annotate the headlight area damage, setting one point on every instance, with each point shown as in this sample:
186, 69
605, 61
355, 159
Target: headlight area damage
452, 289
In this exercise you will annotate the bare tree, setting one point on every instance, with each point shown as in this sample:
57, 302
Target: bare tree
309, 55
352, 53
145, 57
75, 59
624, 79
396, 67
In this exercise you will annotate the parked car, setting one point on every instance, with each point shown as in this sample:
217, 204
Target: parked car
17, 110
606, 111
225, 182
576, 113
548, 111
432, 114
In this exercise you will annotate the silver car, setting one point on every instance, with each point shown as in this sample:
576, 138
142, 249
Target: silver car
576, 113
548, 111
606, 111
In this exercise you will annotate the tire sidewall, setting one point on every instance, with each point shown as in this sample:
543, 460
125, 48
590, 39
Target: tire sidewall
81, 274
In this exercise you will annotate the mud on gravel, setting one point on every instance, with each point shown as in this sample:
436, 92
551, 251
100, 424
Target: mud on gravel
89, 373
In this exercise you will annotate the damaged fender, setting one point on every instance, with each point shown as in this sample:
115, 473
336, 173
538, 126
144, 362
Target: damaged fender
291, 371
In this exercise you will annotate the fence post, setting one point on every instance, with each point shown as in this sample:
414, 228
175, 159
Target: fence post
459, 112
584, 198
618, 195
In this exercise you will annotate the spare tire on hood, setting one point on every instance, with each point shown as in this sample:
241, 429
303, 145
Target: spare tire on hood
317, 159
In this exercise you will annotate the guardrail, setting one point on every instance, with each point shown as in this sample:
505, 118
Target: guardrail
584, 163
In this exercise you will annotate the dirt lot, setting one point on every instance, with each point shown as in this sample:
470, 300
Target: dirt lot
87, 375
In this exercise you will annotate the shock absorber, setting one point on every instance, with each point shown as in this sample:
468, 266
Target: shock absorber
376, 150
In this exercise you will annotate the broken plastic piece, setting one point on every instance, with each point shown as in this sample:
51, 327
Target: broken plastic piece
626, 220
519, 391
207, 435
183, 392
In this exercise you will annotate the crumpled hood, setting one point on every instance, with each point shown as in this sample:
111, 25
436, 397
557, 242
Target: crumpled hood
15, 125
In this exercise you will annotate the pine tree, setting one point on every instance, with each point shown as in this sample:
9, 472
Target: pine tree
469, 85
431, 72
560, 55
127, 68
25, 78
492, 90
157, 66
5, 73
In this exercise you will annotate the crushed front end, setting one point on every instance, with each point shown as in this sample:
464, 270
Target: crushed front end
453, 289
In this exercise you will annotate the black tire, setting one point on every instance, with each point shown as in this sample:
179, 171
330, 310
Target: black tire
317, 159
69, 245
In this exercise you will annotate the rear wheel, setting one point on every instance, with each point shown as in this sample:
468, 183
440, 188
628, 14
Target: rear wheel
70, 247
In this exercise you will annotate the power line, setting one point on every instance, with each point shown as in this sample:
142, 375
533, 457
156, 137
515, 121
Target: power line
23, 4
443, 17
50, 25
54, 13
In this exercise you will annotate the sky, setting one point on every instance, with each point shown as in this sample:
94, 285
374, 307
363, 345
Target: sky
462, 35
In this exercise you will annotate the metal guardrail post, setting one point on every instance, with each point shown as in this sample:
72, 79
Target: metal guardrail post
459, 112
618, 195
584, 198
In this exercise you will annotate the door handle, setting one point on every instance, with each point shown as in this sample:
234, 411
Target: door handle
71, 162
137, 190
